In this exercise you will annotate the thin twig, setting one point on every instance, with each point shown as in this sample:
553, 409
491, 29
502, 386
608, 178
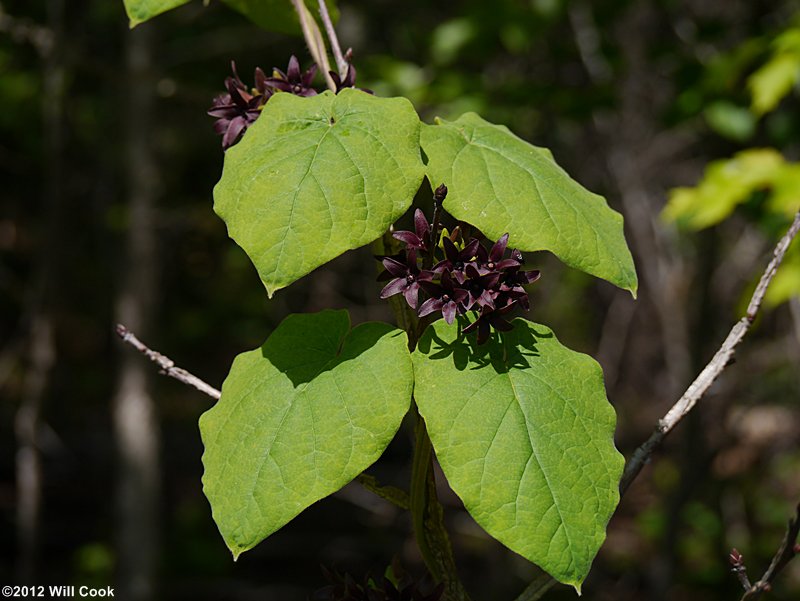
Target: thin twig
166, 364
314, 41
699, 387
714, 368
341, 63
785, 553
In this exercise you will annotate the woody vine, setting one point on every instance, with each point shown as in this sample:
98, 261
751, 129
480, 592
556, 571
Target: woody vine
519, 423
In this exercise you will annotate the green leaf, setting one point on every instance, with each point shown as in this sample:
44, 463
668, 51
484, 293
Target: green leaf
299, 418
500, 183
524, 433
314, 177
731, 121
275, 15
726, 184
140, 11
773, 81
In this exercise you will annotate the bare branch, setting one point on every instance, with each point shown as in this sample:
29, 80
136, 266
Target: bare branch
341, 63
166, 364
714, 368
785, 553
694, 393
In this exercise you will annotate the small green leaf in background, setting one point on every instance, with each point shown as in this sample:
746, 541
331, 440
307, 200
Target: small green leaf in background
524, 433
775, 79
299, 418
275, 15
315, 177
500, 183
140, 11
729, 182
734, 122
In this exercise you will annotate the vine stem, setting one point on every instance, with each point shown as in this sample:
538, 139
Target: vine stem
341, 63
421, 464
314, 41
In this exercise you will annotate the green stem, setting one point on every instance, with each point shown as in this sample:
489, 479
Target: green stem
427, 514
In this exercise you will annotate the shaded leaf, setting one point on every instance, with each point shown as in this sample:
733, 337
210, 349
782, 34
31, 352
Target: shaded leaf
524, 433
314, 177
299, 418
140, 11
275, 15
500, 183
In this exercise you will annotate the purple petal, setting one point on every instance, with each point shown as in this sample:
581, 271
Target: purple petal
308, 76
293, 70
221, 126
421, 225
499, 249
530, 276
450, 250
396, 268
470, 250
506, 264
412, 295
235, 129
394, 287
449, 311
430, 306
409, 238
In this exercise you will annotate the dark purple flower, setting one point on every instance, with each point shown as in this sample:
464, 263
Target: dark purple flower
445, 297
481, 288
293, 81
491, 318
349, 80
407, 277
239, 108
470, 279
456, 260
419, 238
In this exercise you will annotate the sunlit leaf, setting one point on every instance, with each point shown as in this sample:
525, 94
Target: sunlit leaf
299, 418
502, 184
524, 433
315, 177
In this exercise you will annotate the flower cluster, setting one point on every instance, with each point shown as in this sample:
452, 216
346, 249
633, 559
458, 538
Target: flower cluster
456, 276
240, 106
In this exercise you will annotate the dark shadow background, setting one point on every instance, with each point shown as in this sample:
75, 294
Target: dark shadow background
108, 161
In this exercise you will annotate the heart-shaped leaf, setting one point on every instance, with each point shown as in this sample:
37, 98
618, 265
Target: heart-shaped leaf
501, 184
524, 433
314, 177
299, 418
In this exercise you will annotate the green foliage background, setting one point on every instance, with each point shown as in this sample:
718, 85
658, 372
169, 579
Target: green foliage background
634, 98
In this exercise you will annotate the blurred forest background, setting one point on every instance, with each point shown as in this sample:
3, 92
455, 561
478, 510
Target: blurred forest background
108, 161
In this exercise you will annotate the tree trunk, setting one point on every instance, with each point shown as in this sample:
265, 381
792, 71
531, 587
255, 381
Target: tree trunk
41, 351
134, 414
